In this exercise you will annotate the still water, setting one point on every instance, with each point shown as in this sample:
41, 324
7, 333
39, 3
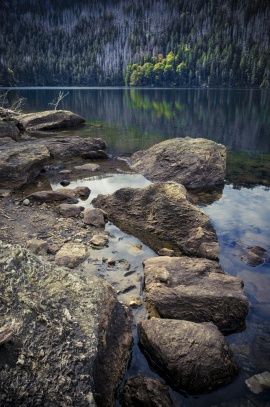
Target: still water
133, 119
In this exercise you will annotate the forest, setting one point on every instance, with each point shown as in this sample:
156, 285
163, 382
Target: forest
153, 43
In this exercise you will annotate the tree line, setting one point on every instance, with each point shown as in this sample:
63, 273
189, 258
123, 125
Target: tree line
142, 43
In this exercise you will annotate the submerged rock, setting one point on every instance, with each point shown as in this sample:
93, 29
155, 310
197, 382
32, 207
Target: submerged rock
50, 119
161, 215
255, 256
195, 290
142, 391
20, 162
63, 328
196, 357
259, 382
87, 167
195, 163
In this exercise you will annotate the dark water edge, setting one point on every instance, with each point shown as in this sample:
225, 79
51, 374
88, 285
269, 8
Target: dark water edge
133, 119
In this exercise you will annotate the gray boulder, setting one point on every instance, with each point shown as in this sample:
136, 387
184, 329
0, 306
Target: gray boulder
147, 392
59, 329
50, 119
20, 162
195, 163
64, 147
196, 290
161, 215
196, 357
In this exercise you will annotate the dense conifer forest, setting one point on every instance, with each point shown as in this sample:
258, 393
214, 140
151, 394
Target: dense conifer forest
135, 43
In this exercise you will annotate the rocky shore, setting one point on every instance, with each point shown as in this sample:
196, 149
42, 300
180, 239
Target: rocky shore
66, 331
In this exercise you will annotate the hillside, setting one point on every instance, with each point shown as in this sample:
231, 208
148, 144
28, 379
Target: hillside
142, 43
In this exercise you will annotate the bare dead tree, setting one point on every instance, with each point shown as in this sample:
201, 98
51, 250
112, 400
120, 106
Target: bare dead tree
58, 99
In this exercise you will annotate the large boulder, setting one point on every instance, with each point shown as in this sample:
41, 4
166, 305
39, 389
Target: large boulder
195, 163
50, 119
64, 147
196, 290
20, 162
196, 357
161, 215
59, 328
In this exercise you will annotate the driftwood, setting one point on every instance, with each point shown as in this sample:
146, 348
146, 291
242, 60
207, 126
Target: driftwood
6, 333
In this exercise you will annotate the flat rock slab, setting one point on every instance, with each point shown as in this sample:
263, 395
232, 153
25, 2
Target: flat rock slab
195, 290
71, 255
64, 147
195, 163
145, 392
63, 329
60, 194
50, 119
196, 357
161, 215
87, 167
259, 382
20, 162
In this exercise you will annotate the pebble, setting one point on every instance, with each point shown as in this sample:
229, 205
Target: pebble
26, 202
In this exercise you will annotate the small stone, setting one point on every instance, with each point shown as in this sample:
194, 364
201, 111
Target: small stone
166, 252
135, 302
26, 202
111, 261
65, 172
99, 240
65, 183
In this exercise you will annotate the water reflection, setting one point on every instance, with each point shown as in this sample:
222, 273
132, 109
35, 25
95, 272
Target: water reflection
237, 118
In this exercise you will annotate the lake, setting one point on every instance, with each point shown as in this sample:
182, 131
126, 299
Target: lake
134, 119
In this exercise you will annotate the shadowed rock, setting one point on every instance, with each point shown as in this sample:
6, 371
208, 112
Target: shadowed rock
62, 325
147, 392
20, 163
50, 119
196, 357
195, 163
196, 290
161, 215
63, 147
8, 129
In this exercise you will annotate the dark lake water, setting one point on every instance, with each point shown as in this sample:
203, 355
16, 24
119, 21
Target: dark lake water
133, 119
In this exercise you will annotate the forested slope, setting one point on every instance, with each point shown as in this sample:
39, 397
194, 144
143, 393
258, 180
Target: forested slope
142, 43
